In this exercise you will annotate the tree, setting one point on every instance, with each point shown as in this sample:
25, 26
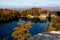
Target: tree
22, 32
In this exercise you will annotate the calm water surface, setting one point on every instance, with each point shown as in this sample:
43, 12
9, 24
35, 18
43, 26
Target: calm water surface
7, 28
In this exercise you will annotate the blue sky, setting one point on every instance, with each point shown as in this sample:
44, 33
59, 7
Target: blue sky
29, 3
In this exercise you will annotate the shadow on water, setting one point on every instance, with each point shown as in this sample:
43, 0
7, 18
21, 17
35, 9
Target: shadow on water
8, 21
35, 20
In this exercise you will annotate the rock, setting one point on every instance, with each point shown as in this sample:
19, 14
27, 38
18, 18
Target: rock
46, 36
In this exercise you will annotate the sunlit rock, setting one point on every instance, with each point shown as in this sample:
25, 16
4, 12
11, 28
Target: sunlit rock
53, 35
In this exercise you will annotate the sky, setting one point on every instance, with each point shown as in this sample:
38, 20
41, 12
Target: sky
29, 3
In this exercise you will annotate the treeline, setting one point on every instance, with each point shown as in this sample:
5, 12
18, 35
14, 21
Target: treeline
6, 14
33, 11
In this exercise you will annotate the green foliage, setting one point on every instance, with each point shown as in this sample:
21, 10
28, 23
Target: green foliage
24, 13
44, 11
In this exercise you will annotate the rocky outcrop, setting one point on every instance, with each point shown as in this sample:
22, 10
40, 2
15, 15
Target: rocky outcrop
53, 35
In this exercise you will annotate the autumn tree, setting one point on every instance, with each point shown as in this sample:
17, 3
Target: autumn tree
22, 32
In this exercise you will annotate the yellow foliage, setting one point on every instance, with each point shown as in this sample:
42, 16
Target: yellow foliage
51, 28
14, 34
16, 28
22, 32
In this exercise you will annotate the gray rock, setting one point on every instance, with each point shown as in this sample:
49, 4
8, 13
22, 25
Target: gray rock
46, 36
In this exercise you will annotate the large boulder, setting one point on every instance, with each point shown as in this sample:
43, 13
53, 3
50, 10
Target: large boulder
53, 35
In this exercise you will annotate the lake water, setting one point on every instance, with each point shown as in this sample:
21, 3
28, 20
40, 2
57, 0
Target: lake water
7, 28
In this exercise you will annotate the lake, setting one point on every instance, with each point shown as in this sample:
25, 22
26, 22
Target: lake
7, 28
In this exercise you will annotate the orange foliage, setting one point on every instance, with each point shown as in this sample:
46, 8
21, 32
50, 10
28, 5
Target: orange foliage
20, 11
5, 12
